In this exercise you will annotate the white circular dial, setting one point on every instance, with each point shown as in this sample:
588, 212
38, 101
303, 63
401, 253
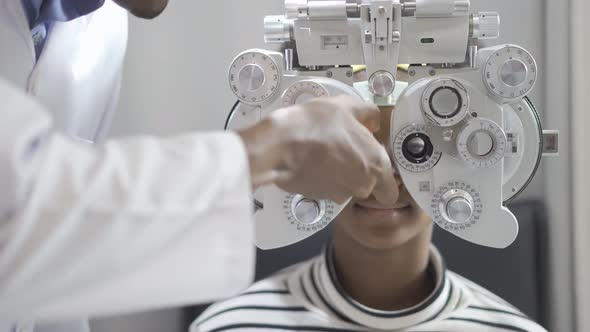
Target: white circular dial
460, 209
481, 143
254, 77
413, 149
303, 91
445, 102
308, 215
510, 72
382, 83
251, 77
456, 206
307, 211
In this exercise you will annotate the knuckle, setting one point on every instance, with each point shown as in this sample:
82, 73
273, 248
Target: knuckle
363, 192
372, 110
339, 198
375, 165
365, 170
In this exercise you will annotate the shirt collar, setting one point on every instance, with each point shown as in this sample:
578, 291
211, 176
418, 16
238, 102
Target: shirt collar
442, 300
42, 11
32, 9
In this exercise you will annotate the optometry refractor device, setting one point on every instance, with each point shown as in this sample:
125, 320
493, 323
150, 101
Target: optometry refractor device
465, 138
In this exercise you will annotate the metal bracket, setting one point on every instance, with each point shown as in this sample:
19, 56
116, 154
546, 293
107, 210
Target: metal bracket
550, 143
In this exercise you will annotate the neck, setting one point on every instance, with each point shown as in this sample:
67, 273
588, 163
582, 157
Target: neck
391, 279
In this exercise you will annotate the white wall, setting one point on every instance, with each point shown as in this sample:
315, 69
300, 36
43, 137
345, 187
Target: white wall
558, 171
175, 74
580, 124
175, 81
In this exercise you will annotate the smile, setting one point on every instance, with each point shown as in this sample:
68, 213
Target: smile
376, 207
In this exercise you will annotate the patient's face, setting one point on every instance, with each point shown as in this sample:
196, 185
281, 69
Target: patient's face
144, 8
380, 227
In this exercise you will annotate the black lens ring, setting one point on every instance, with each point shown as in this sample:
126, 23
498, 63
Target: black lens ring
425, 155
459, 104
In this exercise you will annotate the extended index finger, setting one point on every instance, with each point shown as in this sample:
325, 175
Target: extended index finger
386, 189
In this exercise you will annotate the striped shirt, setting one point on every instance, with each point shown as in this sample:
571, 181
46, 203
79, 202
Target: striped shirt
308, 297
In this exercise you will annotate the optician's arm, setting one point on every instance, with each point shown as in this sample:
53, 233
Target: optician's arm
144, 222
99, 230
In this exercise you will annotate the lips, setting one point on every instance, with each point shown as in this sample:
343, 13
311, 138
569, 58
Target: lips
373, 205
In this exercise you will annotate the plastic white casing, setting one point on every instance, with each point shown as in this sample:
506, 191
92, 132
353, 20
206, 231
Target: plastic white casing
381, 34
496, 225
449, 35
275, 224
493, 225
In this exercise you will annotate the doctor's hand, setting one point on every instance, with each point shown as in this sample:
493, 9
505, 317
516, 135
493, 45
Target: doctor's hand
322, 149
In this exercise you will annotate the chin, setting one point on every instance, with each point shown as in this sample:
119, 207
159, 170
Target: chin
147, 9
383, 229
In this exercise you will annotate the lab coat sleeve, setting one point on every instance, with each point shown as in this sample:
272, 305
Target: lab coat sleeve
133, 224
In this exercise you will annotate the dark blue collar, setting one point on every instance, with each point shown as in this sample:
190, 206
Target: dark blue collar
46, 11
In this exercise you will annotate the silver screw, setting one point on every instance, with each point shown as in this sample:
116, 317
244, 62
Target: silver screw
329, 74
432, 72
349, 73
412, 72
447, 135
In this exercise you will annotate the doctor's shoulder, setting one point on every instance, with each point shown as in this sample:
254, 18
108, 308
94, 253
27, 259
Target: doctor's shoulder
258, 303
487, 311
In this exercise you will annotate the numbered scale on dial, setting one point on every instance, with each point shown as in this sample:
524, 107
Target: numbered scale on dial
254, 77
414, 150
303, 91
481, 143
308, 215
445, 102
456, 206
510, 72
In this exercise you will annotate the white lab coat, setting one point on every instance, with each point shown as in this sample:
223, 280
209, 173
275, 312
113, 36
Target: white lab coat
128, 225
